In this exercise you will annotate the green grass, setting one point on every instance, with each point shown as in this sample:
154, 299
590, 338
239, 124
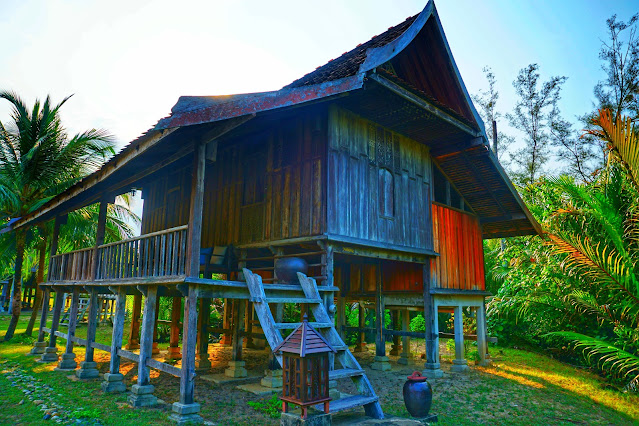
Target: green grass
520, 388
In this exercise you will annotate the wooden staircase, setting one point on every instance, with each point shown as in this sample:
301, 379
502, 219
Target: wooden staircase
350, 368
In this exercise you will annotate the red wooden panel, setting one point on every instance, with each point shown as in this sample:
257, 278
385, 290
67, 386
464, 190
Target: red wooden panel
457, 238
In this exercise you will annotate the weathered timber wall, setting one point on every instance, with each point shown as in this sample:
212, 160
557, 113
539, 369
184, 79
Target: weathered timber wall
378, 183
166, 200
267, 185
458, 241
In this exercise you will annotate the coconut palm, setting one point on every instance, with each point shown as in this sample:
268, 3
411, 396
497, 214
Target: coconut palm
38, 160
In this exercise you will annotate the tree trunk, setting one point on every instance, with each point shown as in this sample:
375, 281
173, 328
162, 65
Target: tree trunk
39, 279
17, 285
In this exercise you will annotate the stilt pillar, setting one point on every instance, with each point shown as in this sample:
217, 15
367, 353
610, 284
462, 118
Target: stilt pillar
460, 364
174, 339
396, 348
40, 344
202, 362
226, 323
482, 341
114, 380
186, 410
88, 368
51, 352
155, 348
236, 365
432, 367
142, 392
67, 362
381, 361
134, 332
406, 355
360, 346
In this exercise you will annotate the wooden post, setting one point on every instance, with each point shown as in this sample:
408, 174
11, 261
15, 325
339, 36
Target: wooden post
360, 346
195, 212
174, 340
51, 352
155, 348
482, 342
226, 323
68, 357
186, 409
114, 380
88, 366
134, 333
459, 363
432, 365
397, 344
99, 237
142, 392
381, 361
406, 354
40, 344
236, 365
248, 326
59, 220
202, 362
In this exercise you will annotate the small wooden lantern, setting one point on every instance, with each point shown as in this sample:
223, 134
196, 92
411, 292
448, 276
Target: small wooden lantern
305, 368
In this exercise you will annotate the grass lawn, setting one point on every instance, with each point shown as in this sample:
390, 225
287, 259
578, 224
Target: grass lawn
520, 388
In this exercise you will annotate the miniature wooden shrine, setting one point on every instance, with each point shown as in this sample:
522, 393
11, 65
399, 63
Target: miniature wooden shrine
305, 368
375, 168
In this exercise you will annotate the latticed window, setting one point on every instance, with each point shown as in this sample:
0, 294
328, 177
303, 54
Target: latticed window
386, 193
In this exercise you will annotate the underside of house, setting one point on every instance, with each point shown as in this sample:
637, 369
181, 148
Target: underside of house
374, 169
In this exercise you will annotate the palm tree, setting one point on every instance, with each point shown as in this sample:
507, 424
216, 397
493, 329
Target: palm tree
38, 160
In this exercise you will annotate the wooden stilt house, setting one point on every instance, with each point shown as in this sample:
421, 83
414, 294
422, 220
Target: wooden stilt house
374, 168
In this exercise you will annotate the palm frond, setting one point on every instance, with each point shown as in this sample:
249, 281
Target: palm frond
604, 355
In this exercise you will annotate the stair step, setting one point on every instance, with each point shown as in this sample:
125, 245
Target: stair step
344, 372
351, 402
292, 300
286, 325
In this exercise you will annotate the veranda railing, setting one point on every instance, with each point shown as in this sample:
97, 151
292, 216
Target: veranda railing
151, 255
72, 266
156, 254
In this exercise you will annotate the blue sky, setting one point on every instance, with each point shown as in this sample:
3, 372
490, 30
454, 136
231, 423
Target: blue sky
127, 61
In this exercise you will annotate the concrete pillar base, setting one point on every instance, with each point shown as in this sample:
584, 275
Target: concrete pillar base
272, 379
433, 371
87, 370
404, 358
156, 349
485, 362
113, 383
142, 396
459, 366
184, 414
67, 362
49, 355
38, 348
174, 353
236, 369
202, 363
132, 345
381, 363
395, 350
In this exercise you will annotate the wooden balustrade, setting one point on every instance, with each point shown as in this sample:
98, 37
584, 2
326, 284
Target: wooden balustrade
71, 266
151, 255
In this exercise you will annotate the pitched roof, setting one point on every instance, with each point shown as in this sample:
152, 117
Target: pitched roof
304, 340
350, 62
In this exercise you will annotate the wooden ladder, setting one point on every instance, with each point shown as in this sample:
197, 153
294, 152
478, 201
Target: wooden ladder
350, 368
